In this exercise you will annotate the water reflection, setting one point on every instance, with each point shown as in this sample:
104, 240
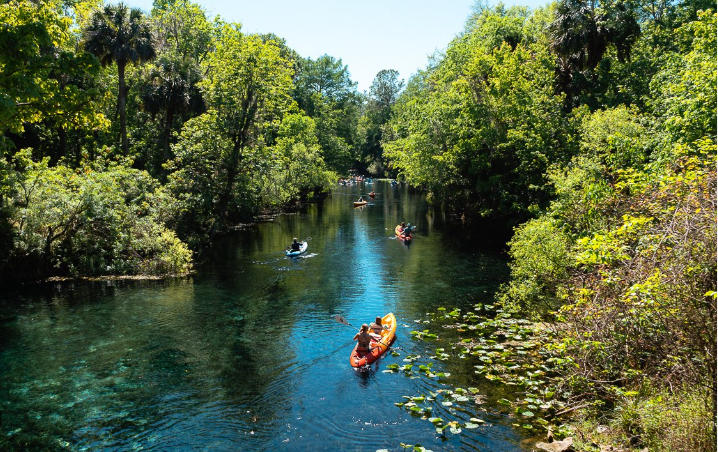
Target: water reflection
246, 355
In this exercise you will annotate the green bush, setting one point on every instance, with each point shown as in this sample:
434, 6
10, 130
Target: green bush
681, 422
540, 261
99, 220
656, 420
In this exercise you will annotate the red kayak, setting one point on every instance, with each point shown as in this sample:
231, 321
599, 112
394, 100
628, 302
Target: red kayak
376, 348
400, 234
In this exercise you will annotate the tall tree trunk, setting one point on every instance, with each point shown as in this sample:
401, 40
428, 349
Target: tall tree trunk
121, 95
62, 145
167, 133
232, 171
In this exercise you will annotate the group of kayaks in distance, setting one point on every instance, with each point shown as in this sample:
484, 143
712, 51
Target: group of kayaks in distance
371, 342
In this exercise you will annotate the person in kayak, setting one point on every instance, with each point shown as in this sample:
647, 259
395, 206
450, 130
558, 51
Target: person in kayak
407, 230
361, 199
295, 245
376, 327
364, 338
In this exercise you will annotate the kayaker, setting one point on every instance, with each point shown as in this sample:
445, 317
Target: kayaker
364, 338
407, 230
376, 326
295, 245
361, 199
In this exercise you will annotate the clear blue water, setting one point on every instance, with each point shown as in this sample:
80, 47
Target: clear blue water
245, 354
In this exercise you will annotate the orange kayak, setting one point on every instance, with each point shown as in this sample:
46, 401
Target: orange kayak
376, 349
360, 203
397, 231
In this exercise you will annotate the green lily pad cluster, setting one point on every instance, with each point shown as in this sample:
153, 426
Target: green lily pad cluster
414, 447
514, 352
422, 406
425, 334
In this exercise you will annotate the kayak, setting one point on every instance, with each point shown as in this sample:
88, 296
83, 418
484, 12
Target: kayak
360, 203
397, 231
376, 349
302, 249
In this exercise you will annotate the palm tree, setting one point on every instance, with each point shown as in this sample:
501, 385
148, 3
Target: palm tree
119, 34
582, 32
172, 90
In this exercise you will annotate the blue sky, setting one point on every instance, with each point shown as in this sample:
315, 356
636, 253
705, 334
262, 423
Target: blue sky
368, 35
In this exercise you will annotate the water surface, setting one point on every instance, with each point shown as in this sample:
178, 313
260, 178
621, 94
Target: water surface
245, 355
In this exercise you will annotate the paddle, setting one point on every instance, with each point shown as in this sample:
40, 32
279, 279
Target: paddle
339, 318
342, 320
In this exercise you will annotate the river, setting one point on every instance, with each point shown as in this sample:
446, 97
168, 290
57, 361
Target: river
245, 354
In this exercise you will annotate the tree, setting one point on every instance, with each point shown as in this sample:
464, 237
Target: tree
43, 77
182, 29
221, 152
172, 90
498, 25
324, 90
481, 128
385, 88
582, 32
325, 78
383, 93
297, 170
118, 34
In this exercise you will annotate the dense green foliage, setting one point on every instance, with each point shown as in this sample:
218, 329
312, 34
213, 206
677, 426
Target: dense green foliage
481, 128
326, 93
103, 219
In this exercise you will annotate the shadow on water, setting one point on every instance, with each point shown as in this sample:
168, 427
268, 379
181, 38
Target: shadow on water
246, 355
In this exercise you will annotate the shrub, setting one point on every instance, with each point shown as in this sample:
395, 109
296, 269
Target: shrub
95, 221
540, 253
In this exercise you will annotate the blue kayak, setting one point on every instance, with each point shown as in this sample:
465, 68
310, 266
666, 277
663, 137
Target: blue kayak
302, 250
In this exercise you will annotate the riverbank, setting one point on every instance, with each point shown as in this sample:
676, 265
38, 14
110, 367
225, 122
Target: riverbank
546, 396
